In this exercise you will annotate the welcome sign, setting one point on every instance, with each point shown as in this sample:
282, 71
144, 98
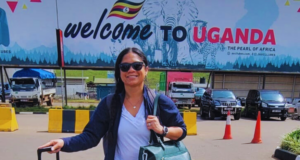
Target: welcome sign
248, 35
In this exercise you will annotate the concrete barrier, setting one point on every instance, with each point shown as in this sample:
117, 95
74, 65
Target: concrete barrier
68, 121
190, 120
8, 120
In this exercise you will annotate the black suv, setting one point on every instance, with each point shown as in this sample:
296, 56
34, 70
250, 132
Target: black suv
269, 102
218, 102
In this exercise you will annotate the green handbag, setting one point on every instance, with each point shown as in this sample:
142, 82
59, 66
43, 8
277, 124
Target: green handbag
163, 150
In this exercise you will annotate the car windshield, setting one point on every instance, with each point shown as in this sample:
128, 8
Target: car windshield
23, 83
182, 86
276, 97
223, 94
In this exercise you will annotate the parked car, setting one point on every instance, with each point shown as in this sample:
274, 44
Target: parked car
269, 102
218, 103
242, 100
198, 94
7, 92
291, 104
295, 101
296, 115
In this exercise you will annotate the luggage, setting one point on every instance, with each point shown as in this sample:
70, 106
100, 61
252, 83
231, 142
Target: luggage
46, 149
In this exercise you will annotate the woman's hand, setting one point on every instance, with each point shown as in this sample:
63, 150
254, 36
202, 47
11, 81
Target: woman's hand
153, 123
57, 145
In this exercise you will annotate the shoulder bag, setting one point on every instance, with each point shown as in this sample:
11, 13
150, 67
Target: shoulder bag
168, 150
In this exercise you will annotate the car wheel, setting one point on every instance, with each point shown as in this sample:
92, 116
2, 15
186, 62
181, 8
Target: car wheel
201, 113
211, 114
237, 116
247, 114
283, 118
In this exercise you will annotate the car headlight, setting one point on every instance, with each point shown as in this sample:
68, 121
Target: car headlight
239, 103
217, 103
34, 96
264, 105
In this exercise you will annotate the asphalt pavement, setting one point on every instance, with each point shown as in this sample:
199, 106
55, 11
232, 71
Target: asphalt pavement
208, 144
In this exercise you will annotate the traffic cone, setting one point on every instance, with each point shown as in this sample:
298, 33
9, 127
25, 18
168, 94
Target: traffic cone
227, 134
256, 138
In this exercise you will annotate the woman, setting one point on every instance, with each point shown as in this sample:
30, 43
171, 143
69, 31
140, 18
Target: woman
125, 123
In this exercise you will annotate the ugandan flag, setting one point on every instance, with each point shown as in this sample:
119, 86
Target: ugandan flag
125, 9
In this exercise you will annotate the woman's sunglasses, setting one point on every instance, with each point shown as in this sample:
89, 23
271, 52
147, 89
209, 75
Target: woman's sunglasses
136, 66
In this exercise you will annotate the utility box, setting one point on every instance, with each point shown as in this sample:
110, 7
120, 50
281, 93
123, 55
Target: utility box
103, 91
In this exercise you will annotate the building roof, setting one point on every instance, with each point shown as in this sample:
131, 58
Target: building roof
104, 81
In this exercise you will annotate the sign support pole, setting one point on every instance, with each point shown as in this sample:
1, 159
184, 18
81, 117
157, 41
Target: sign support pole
61, 86
2, 83
65, 85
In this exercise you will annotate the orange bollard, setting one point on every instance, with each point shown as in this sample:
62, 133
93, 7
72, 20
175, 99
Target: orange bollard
227, 134
256, 138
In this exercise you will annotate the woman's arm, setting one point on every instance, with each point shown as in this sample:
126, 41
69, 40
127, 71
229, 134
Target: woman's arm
170, 117
173, 132
92, 133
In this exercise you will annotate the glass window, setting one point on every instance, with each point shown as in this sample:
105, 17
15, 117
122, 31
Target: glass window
223, 94
271, 96
23, 84
184, 86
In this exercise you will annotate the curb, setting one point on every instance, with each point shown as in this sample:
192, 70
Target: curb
31, 112
282, 154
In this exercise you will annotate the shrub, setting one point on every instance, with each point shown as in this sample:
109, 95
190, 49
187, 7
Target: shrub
31, 109
291, 142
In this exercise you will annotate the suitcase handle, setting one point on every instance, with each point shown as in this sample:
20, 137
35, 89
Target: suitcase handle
46, 149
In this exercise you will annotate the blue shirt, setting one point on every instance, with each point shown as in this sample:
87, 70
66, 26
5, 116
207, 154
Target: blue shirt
98, 125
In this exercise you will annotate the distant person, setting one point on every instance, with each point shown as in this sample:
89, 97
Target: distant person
207, 93
125, 124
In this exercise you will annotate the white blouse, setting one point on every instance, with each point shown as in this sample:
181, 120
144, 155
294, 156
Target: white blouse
132, 134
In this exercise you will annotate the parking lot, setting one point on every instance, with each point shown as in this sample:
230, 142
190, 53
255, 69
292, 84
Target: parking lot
208, 144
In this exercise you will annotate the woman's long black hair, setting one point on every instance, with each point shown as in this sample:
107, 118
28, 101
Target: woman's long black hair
115, 102
119, 83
